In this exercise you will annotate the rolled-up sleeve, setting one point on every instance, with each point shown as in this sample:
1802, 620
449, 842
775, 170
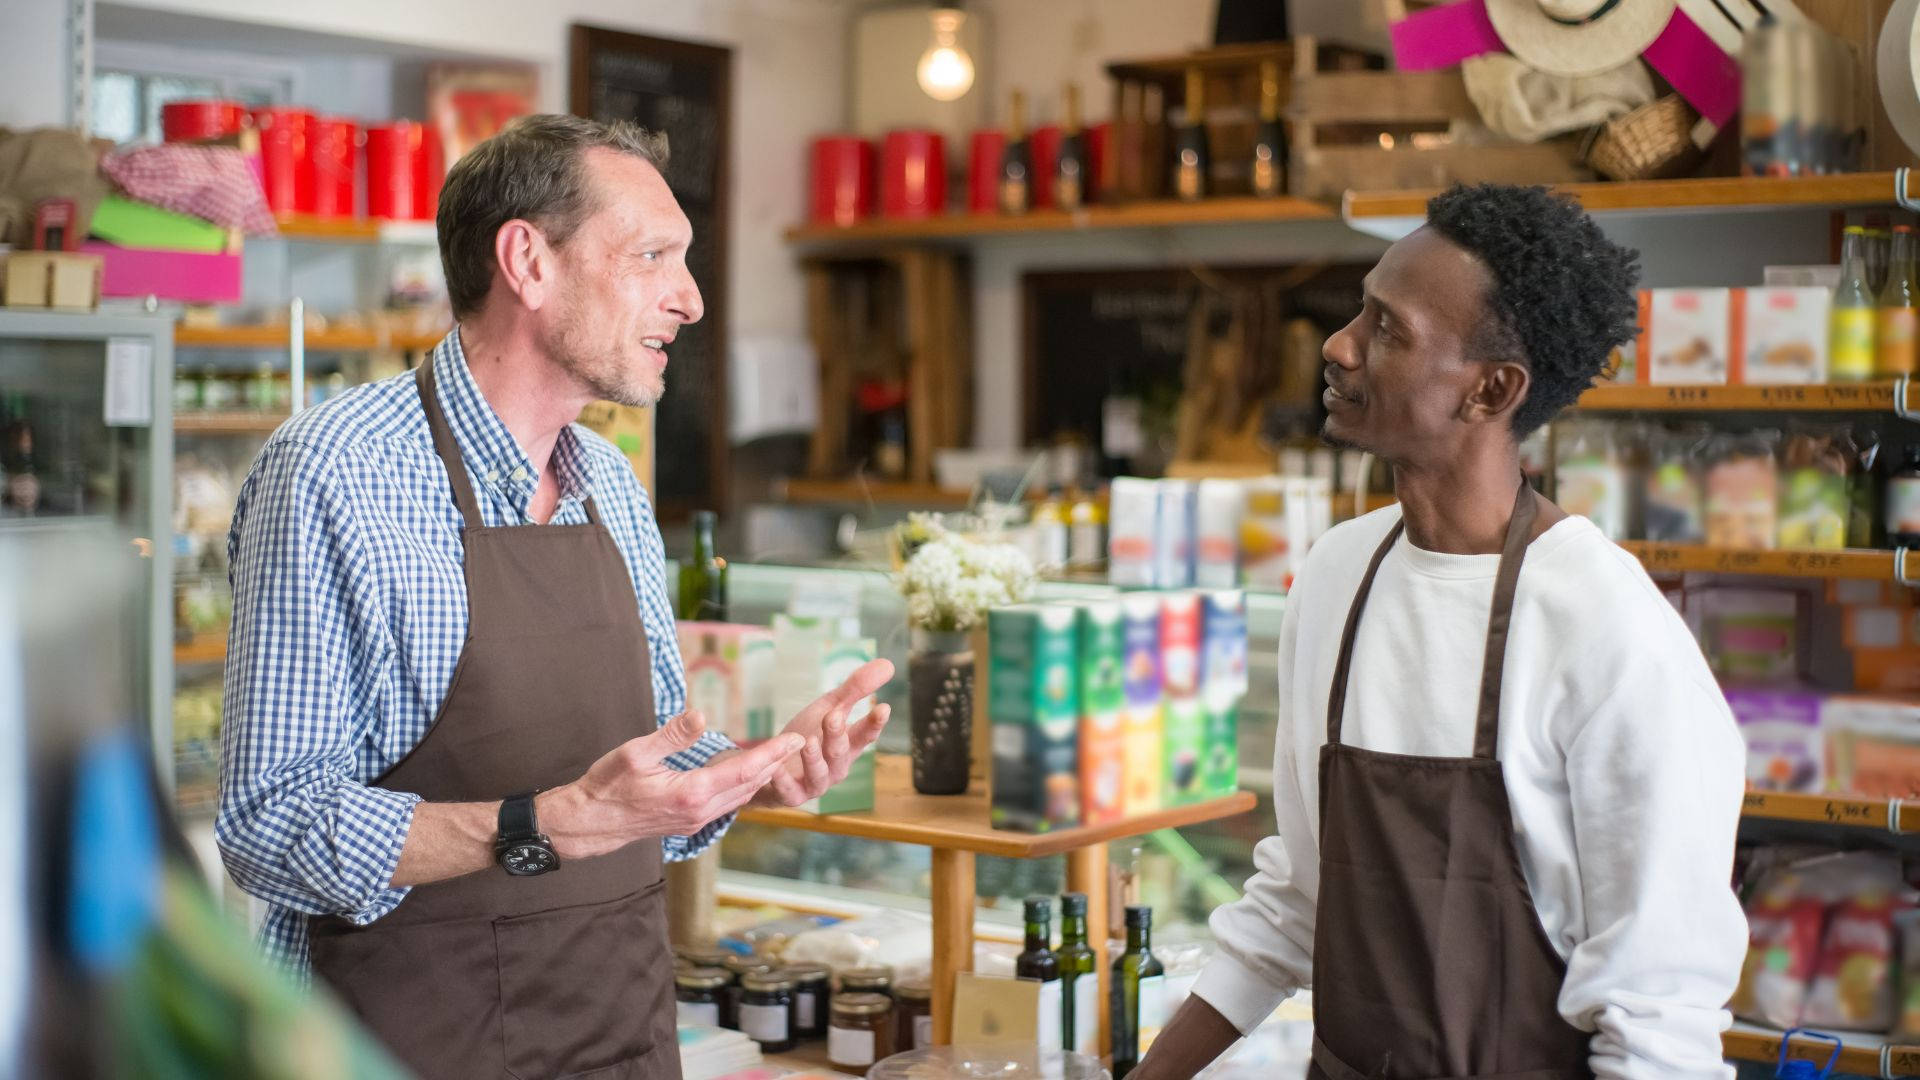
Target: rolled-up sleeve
294, 828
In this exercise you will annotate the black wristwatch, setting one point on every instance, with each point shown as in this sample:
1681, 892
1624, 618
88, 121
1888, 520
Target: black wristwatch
521, 849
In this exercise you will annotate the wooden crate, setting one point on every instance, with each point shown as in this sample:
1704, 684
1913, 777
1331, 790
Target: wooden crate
1383, 131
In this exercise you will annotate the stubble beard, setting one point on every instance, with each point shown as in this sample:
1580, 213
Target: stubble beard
603, 374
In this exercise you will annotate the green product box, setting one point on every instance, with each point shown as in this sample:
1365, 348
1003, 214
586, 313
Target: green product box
1186, 742
1223, 687
1220, 767
1033, 705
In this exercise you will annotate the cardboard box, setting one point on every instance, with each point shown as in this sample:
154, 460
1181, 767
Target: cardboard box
1686, 335
1880, 627
1781, 335
1173, 535
1133, 513
1143, 716
1034, 707
1785, 747
1223, 688
1873, 746
1266, 558
1886, 671
1103, 746
52, 279
1185, 714
841, 659
1220, 506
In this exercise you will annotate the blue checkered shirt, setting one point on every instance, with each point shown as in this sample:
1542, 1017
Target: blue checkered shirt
349, 611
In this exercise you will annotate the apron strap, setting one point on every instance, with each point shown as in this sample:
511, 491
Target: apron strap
1337, 699
593, 512
1486, 731
444, 445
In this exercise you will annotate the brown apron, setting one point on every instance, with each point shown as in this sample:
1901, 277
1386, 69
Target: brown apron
1429, 960
488, 975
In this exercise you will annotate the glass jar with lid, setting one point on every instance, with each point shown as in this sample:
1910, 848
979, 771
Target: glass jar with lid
766, 1009
913, 1013
700, 995
862, 1031
873, 979
738, 967
812, 994
706, 955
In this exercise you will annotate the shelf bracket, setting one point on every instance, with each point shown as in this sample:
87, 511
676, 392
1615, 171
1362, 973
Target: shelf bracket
1893, 816
1900, 407
1900, 196
1900, 568
1886, 1063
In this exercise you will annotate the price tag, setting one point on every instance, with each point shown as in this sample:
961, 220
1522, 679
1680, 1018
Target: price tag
128, 390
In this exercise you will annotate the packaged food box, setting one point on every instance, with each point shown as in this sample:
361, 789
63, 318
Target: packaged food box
1265, 557
729, 677
1033, 706
1180, 625
1782, 335
1686, 335
1783, 946
839, 660
1133, 514
1219, 507
1852, 987
1880, 627
1173, 538
1873, 745
1103, 747
1886, 671
1785, 746
1223, 688
1749, 635
1143, 713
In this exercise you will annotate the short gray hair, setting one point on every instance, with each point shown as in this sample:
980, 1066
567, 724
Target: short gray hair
533, 170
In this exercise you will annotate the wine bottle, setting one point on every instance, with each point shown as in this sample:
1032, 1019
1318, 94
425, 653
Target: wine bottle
1070, 168
703, 580
1139, 1002
1190, 142
1079, 979
1016, 161
1269, 140
1037, 961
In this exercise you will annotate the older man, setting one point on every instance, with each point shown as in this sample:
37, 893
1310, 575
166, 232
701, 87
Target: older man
451, 638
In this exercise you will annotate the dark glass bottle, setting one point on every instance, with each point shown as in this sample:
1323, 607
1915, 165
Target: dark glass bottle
1016, 161
18, 462
1270, 139
1139, 1003
1070, 169
1079, 979
703, 579
1038, 962
1190, 142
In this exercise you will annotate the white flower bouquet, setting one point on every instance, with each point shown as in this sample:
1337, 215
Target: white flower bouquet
952, 580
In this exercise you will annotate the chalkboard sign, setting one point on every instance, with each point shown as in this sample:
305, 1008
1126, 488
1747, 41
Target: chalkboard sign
684, 90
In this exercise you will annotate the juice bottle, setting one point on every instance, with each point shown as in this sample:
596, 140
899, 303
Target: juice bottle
1850, 340
1895, 352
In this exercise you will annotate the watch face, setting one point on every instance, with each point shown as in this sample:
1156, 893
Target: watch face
527, 859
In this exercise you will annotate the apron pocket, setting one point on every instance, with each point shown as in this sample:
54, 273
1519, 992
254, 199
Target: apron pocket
582, 988
389, 976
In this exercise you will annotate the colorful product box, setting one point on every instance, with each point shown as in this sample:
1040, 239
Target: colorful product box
1686, 335
1143, 712
1223, 687
1185, 711
839, 660
1103, 746
724, 678
1133, 513
1785, 748
1219, 508
1173, 535
1780, 335
1873, 746
1033, 706
1266, 557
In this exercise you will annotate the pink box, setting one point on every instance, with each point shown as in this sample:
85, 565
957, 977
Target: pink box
192, 277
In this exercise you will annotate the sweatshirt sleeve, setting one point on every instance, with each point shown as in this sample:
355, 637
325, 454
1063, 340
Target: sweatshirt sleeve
1655, 780
1265, 938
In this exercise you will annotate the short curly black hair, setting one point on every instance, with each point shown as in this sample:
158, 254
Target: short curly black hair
1563, 294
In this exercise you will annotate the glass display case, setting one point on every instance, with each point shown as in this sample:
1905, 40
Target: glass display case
85, 416
1184, 873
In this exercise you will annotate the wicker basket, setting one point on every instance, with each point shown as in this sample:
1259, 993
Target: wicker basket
1653, 142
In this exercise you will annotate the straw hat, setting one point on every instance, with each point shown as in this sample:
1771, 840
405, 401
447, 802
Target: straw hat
1578, 37
1899, 81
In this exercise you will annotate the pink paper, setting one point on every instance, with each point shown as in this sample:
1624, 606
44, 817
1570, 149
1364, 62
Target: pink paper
1703, 74
192, 277
1441, 37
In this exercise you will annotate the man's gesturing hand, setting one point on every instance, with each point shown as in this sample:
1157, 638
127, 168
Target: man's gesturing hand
831, 744
632, 793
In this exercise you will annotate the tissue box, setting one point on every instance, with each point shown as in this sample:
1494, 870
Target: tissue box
1686, 335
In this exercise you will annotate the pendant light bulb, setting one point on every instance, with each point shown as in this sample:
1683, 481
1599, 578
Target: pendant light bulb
945, 71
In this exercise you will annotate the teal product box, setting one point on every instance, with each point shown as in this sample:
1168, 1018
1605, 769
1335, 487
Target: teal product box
1033, 707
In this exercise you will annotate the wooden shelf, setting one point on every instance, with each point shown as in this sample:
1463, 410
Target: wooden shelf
1839, 810
1822, 397
227, 423
881, 492
959, 822
1861, 1055
1846, 563
201, 649
1230, 210
275, 336
1714, 193
307, 228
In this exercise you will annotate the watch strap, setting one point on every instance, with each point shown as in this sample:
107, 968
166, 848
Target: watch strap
517, 821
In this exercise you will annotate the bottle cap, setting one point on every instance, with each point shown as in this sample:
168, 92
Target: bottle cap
1139, 915
1073, 903
1039, 909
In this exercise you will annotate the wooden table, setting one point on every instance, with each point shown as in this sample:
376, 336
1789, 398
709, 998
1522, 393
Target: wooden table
956, 828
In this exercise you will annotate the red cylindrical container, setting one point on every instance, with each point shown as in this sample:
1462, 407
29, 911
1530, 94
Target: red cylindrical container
1043, 149
336, 156
201, 118
983, 172
1099, 176
913, 174
429, 172
393, 152
842, 180
286, 159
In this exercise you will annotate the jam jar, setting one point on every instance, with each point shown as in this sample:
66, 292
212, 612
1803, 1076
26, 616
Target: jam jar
705, 955
913, 1012
738, 967
700, 995
766, 1009
812, 991
877, 979
862, 1031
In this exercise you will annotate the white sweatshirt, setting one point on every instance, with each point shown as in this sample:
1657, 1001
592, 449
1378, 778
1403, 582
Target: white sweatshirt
1622, 762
